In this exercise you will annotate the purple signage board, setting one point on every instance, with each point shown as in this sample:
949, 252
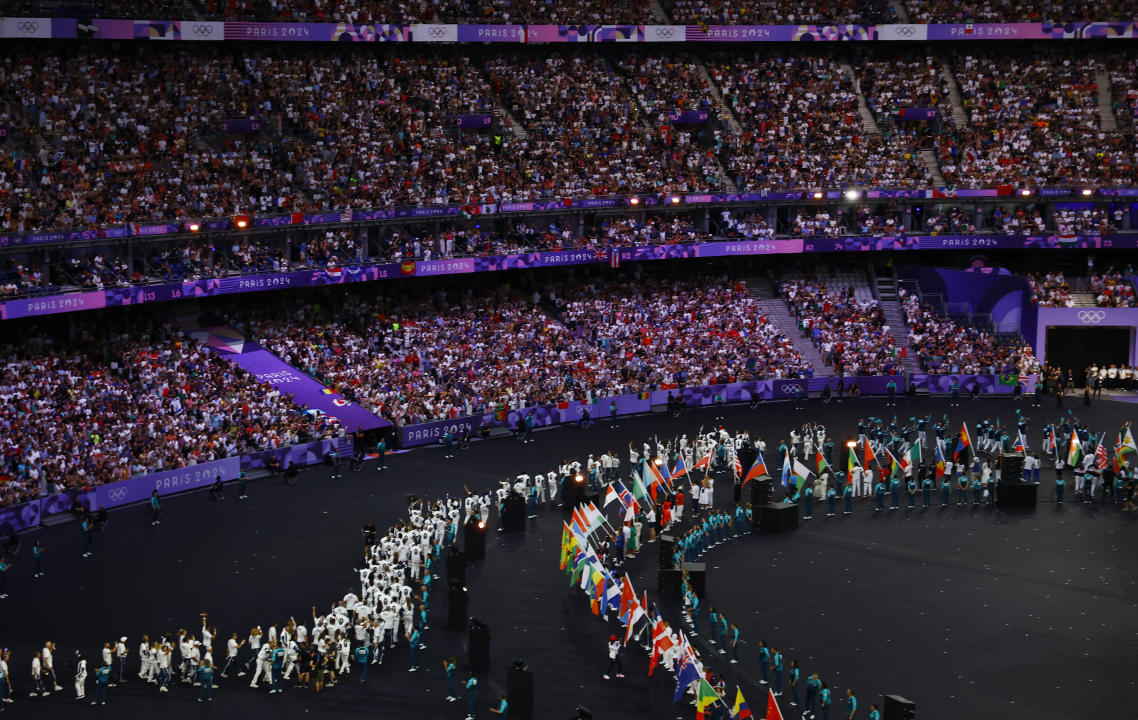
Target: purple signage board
432, 432
311, 453
241, 126
689, 117
270, 369
474, 121
988, 384
1089, 317
138, 489
916, 113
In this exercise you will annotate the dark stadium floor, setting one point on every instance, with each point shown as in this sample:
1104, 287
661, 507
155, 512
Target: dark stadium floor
975, 614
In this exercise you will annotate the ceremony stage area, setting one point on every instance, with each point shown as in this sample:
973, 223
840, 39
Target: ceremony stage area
969, 613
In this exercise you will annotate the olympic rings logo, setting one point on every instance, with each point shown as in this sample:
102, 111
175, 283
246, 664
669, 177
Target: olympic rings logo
904, 31
117, 494
1091, 317
790, 388
202, 30
28, 26
437, 31
666, 31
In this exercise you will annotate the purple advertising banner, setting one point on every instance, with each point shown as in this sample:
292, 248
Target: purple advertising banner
689, 117
915, 113
362, 273
474, 121
246, 126
432, 432
138, 489
269, 368
311, 453
198, 30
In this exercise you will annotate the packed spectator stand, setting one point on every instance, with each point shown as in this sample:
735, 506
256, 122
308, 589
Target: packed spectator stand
944, 346
120, 400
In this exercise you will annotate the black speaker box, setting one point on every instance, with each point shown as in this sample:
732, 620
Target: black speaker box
762, 491
898, 708
778, 517
1010, 495
475, 546
697, 577
667, 548
457, 600
519, 692
456, 567
1011, 465
514, 514
573, 493
479, 646
670, 584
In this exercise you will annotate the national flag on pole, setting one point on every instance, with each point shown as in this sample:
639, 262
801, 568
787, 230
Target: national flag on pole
1100, 456
568, 544
1075, 450
679, 470
1126, 443
759, 467
653, 477
610, 495
736, 465
1021, 446
773, 713
893, 463
851, 463
963, 442
740, 711
705, 696
661, 642
869, 456
915, 456
1054, 443
786, 469
685, 677
704, 462
939, 462
801, 475
638, 490
820, 462
624, 495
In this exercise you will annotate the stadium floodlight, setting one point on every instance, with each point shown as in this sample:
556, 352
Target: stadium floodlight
193, 227
1024, 192
675, 199
634, 201
241, 221
818, 195
1087, 192
852, 194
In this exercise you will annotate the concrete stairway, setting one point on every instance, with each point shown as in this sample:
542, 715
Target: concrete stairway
724, 109
959, 115
929, 158
899, 8
868, 122
658, 15
891, 307
774, 307
510, 121
1105, 109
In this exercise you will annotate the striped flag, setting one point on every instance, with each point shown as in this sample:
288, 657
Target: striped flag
757, 469
1100, 456
869, 456
1074, 450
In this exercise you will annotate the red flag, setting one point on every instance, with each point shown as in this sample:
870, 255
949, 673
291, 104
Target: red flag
868, 453
773, 713
705, 461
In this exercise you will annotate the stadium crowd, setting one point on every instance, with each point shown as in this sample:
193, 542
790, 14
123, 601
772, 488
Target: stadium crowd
1113, 289
851, 333
945, 347
116, 402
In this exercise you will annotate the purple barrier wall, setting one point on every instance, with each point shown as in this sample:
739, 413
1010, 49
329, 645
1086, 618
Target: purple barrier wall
547, 415
138, 489
201, 30
365, 273
1085, 317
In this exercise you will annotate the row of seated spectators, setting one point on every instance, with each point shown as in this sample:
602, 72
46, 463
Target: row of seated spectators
113, 402
850, 332
98, 139
944, 346
1110, 289
421, 358
558, 12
